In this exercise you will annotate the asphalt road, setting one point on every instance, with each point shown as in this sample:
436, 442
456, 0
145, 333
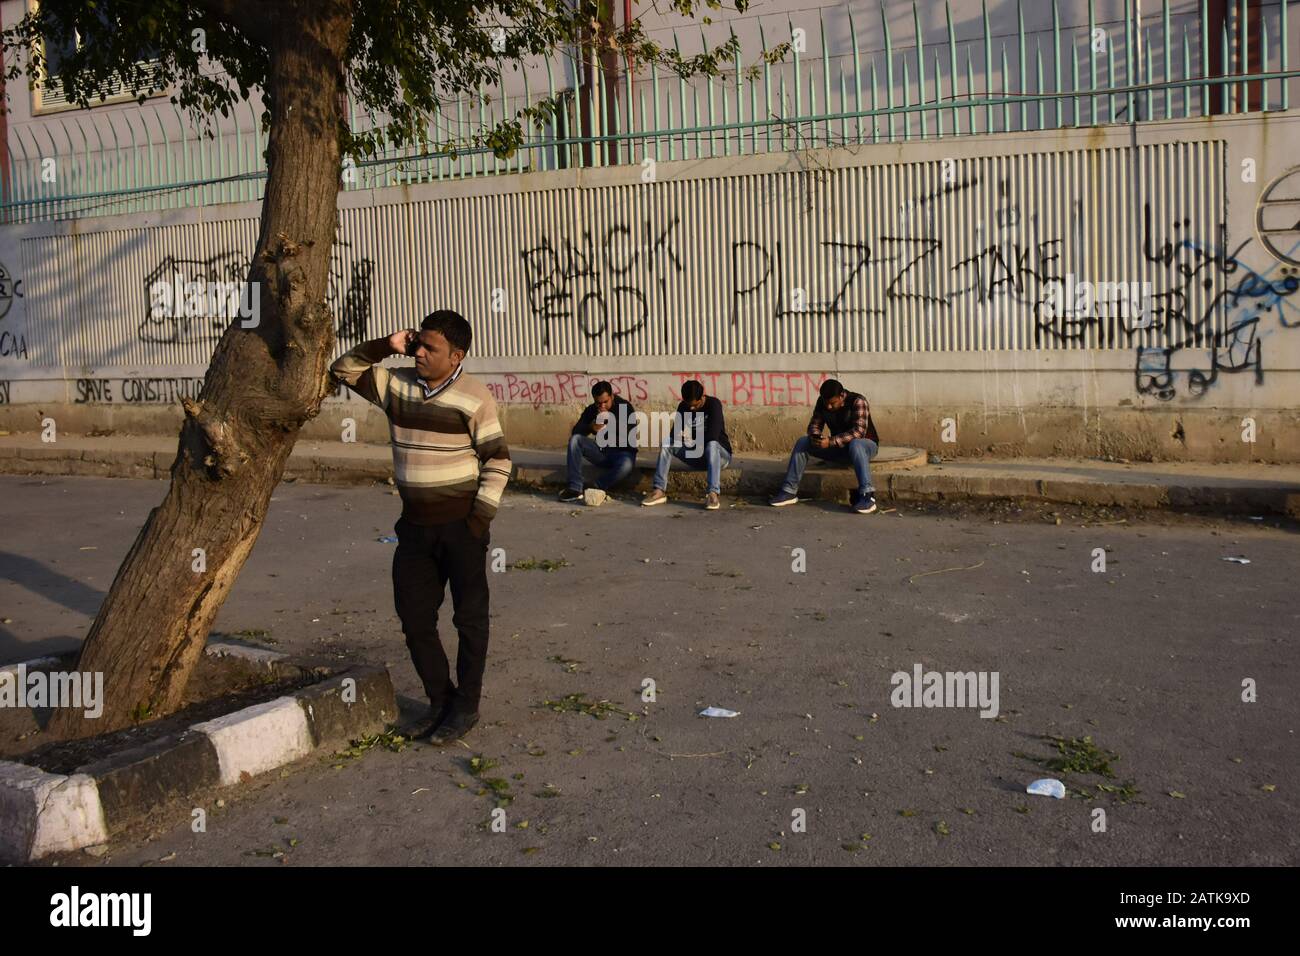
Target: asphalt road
1147, 658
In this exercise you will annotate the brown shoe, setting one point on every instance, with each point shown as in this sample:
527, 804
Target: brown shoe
655, 497
712, 502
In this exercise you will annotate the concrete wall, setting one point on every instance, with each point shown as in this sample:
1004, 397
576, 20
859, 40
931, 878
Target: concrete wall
917, 273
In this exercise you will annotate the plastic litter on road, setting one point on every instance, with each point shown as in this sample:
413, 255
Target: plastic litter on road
1047, 787
718, 712
1238, 560
387, 539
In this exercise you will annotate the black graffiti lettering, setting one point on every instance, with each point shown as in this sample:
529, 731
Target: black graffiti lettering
638, 308
1237, 349
949, 189
863, 256
737, 293
1008, 277
4, 393
585, 311
354, 313
167, 319
600, 283
159, 390
617, 268
661, 247
1063, 328
1186, 256
747, 257
1154, 375
12, 346
10, 289
93, 390
892, 291
539, 263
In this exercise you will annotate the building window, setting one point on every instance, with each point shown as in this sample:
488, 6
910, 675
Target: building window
49, 95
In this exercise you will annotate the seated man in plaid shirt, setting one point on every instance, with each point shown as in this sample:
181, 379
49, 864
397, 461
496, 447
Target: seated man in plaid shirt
852, 439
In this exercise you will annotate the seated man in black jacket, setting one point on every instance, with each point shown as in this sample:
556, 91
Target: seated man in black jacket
606, 436
853, 440
700, 418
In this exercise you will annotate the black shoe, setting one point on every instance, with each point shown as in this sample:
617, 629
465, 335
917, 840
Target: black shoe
864, 503
456, 726
424, 725
571, 494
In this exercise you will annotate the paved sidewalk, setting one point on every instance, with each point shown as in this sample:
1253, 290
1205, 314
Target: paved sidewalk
901, 474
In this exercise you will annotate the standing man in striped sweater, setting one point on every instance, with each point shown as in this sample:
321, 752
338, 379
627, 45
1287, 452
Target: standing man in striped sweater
451, 465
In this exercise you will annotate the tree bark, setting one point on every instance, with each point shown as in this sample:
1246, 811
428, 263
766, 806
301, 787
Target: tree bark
262, 384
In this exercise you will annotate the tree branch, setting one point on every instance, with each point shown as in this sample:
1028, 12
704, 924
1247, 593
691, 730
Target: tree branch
248, 17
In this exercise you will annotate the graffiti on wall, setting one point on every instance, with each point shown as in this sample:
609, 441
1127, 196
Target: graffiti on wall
755, 269
1205, 306
756, 389
1242, 299
135, 391
179, 325
974, 252
560, 388
348, 297
747, 389
604, 283
13, 344
11, 288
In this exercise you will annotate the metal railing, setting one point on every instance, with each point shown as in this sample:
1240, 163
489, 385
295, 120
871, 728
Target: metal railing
1229, 57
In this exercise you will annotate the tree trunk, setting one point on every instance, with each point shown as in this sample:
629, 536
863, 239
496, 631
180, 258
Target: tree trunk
261, 385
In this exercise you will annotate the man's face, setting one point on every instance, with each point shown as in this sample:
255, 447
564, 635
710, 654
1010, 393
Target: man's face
435, 359
696, 405
835, 403
605, 402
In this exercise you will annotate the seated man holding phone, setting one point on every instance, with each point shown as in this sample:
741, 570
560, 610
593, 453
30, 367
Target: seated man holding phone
606, 436
852, 440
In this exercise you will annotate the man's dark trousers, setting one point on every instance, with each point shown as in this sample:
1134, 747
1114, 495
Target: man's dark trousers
429, 557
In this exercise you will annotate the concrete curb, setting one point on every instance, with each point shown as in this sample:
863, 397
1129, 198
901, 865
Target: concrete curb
1172, 497
43, 813
834, 484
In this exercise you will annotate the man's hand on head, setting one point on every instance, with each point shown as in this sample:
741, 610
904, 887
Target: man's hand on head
398, 341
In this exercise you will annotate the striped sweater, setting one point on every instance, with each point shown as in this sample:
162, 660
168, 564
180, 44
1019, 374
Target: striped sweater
449, 452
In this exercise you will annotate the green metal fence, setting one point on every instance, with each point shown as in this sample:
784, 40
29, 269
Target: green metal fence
1192, 59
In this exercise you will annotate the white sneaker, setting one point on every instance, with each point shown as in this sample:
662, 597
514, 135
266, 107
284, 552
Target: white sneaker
594, 497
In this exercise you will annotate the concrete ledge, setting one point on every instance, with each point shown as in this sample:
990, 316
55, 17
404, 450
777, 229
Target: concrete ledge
43, 813
333, 719
258, 738
132, 781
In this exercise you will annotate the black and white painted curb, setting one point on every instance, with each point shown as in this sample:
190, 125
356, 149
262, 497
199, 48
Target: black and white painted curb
43, 813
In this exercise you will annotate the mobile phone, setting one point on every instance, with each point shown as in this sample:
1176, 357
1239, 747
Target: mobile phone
412, 344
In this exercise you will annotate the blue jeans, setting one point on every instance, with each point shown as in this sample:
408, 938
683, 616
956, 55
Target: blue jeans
714, 459
615, 465
858, 452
